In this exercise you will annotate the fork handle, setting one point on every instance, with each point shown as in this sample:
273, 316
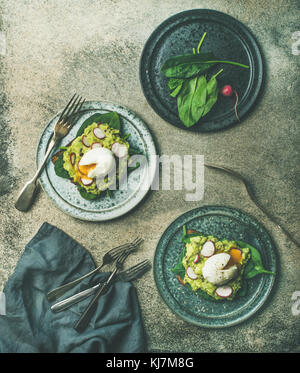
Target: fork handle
26, 196
86, 316
68, 302
61, 290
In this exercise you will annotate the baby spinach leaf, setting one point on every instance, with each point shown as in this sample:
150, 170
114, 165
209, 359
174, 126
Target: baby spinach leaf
179, 268
176, 91
174, 83
59, 168
175, 86
242, 292
212, 95
86, 195
191, 100
111, 118
187, 65
255, 265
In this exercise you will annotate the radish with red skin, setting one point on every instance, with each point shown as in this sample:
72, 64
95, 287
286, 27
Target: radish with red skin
196, 260
72, 158
224, 291
227, 91
208, 249
86, 182
98, 133
119, 150
85, 142
96, 145
191, 274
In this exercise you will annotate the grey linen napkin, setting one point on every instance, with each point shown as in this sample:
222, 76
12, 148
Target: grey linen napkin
50, 259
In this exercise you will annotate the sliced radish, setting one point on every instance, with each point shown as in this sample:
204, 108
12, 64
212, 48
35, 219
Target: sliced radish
98, 133
86, 182
208, 249
191, 274
119, 150
96, 145
224, 291
72, 158
196, 260
85, 142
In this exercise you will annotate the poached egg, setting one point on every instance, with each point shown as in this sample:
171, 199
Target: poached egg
97, 163
214, 269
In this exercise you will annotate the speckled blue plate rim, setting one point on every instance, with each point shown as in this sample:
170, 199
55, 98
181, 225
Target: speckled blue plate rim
266, 282
124, 206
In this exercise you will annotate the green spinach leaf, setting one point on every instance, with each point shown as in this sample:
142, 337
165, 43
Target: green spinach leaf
255, 265
86, 195
175, 86
111, 118
179, 268
212, 93
191, 100
59, 168
242, 292
187, 65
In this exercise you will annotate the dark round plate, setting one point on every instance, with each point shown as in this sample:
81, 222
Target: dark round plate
222, 222
228, 39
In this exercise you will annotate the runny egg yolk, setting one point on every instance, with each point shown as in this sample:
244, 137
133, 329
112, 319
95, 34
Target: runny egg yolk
82, 171
235, 257
86, 169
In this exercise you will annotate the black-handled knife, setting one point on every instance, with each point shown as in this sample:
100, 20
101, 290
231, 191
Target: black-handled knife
86, 316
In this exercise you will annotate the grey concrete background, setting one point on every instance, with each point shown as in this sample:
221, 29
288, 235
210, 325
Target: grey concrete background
53, 48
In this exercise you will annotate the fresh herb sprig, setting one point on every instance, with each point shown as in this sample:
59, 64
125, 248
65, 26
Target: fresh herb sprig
196, 95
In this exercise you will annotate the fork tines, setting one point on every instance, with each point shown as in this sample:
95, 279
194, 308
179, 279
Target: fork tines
138, 269
115, 252
72, 107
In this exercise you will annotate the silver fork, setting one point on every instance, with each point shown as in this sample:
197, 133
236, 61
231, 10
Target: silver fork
86, 316
252, 197
109, 257
61, 129
129, 274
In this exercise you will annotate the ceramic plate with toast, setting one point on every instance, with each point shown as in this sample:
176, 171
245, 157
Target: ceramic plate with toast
65, 194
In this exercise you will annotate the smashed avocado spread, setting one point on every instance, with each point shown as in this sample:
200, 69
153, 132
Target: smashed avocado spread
81, 145
194, 262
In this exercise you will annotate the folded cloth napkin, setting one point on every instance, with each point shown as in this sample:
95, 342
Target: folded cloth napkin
50, 259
